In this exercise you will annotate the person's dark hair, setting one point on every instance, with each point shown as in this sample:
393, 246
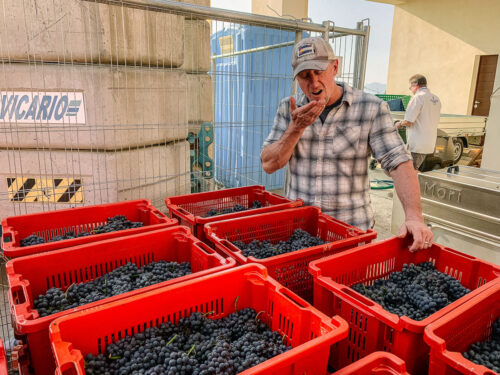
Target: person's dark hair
419, 79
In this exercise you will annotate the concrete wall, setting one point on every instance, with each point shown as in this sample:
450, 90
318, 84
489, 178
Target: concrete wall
120, 106
491, 153
443, 40
79, 31
145, 173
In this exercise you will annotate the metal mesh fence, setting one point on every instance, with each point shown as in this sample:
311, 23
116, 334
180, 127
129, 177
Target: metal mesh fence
110, 100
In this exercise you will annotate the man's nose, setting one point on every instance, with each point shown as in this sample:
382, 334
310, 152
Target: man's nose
314, 80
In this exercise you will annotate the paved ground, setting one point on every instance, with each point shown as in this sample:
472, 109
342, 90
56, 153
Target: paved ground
382, 206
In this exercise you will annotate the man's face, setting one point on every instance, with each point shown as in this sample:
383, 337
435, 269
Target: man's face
319, 84
413, 87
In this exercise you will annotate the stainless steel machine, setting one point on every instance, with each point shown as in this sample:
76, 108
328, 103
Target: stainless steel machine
462, 206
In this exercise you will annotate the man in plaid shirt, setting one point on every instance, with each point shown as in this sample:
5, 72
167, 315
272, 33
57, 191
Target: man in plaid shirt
326, 135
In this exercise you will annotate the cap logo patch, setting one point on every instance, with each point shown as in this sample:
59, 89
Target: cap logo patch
306, 49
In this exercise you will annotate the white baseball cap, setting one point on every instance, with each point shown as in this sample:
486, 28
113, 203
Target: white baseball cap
311, 53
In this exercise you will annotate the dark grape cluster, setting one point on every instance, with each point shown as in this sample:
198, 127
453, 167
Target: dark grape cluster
118, 281
487, 353
197, 345
32, 240
416, 291
118, 222
300, 240
236, 208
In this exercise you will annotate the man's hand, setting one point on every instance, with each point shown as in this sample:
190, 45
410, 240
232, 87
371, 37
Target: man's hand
403, 124
304, 116
421, 233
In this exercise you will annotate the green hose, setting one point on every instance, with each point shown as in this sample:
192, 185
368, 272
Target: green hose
381, 184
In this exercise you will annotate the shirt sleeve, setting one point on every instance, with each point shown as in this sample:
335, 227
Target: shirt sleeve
385, 142
281, 121
414, 108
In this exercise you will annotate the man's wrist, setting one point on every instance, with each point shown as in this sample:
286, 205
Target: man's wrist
414, 217
296, 129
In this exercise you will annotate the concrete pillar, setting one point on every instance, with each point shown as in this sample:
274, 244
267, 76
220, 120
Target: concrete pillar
295, 8
491, 151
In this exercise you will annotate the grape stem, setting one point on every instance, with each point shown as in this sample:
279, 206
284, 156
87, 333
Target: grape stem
66, 293
171, 340
257, 316
236, 303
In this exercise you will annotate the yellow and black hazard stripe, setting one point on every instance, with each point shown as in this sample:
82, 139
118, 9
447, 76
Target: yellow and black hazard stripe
54, 190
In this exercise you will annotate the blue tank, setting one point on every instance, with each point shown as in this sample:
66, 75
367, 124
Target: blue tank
248, 89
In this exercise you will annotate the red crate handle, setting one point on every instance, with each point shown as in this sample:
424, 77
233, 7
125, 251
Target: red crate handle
205, 248
159, 215
208, 250
18, 285
294, 298
69, 359
184, 212
228, 244
7, 233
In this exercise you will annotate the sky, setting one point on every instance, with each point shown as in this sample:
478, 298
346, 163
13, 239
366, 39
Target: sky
346, 13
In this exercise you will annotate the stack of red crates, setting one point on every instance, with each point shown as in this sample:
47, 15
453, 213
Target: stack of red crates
32, 276
371, 327
191, 209
290, 269
453, 334
309, 332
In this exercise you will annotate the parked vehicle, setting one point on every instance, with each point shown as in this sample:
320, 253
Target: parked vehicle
463, 130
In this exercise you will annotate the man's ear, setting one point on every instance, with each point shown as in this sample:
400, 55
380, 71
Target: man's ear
335, 64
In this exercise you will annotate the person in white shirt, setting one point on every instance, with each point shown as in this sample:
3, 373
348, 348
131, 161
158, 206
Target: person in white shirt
421, 120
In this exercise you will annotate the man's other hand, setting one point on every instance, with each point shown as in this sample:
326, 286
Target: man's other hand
421, 233
304, 116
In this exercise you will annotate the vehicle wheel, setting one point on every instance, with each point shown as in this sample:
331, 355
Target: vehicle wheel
458, 149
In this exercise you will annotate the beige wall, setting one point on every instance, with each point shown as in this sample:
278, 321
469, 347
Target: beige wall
295, 8
442, 40
491, 151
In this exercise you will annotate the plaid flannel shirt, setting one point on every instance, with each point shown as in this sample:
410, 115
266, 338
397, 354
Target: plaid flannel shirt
329, 166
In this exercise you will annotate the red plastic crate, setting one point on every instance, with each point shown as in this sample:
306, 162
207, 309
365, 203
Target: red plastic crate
289, 269
309, 332
380, 363
452, 334
33, 275
190, 209
4, 370
371, 327
53, 223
